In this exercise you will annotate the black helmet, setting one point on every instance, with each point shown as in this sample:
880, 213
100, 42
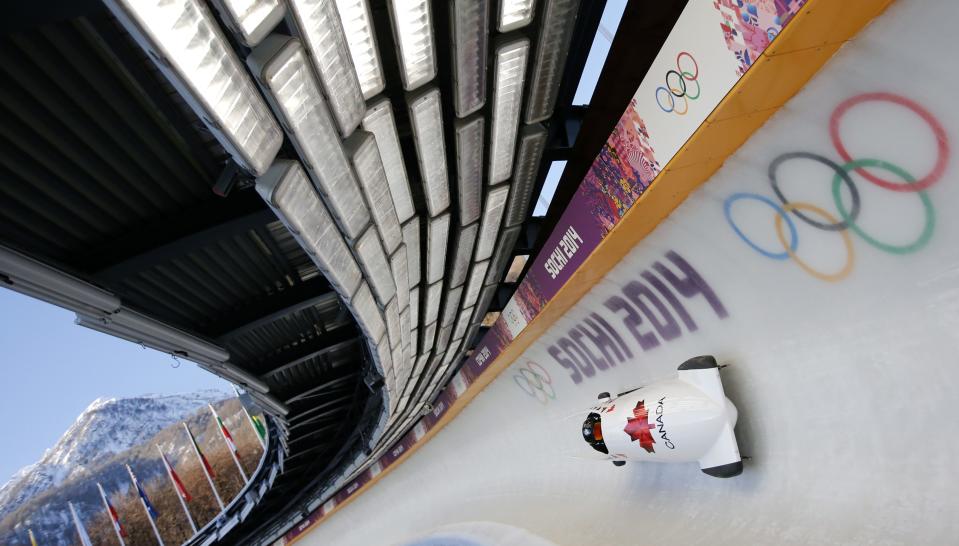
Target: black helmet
593, 432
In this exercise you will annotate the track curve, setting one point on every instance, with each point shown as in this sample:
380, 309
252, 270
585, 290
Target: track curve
841, 342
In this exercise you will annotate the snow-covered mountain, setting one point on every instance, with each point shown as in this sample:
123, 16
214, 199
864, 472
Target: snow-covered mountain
106, 427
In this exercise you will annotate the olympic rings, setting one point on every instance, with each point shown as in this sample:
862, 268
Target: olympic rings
669, 95
685, 109
846, 239
923, 196
692, 77
780, 213
538, 383
942, 140
698, 89
679, 91
682, 82
847, 216
842, 174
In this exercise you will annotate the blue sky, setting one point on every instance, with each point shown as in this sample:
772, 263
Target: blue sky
53, 369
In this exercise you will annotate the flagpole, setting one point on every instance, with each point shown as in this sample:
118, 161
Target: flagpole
206, 472
229, 443
106, 506
169, 473
84, 537
33, 539
249, 418
153, 524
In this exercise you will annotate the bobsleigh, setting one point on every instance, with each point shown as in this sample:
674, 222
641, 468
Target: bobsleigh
678, 420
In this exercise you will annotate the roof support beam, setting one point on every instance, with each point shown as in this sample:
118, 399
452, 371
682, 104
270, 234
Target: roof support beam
320, 430
528, 236
566, 124
190, 230
293, 355
299, 421
275, 307
322, 388
300, 454
334, 414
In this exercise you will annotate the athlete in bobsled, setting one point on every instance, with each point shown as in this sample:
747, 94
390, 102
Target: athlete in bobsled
679, 420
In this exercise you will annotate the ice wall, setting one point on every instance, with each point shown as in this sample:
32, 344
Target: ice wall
840, 328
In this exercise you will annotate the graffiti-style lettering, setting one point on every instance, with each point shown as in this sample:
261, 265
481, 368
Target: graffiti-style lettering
647, 309
666, 326
613, 333
577, 336
692, 283
602, 341
557, 355
668, 295
632, 321
581, 361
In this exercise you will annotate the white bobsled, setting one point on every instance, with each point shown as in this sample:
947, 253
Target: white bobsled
679, 420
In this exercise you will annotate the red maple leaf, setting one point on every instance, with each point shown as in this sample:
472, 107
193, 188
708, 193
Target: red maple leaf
638, 427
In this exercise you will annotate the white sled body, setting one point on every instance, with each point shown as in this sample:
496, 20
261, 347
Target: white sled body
678, 420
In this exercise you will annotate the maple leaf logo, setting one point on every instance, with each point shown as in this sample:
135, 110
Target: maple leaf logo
638, 427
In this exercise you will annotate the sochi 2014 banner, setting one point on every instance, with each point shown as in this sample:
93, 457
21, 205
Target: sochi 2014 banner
711, 46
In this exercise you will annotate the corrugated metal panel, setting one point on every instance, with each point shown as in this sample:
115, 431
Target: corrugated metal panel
84, 154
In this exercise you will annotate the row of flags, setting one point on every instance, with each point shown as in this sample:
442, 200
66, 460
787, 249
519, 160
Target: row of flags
182, 494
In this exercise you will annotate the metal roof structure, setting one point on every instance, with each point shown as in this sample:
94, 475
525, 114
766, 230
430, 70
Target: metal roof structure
222, 232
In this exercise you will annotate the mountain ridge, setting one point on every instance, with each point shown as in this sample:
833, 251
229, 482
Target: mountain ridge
106, 428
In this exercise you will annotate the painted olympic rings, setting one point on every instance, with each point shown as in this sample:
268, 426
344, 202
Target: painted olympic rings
780, 213
535, 381
842, 174
681, 89
848, 218
847, 214
942, 141
846, 239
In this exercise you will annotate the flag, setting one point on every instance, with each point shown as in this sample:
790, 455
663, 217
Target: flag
196, 446
180, 489
255, 421
33, 539
258, 425
230, 444
115, 518
112, 512
84, 537
226, 435
184, 496
151, 511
